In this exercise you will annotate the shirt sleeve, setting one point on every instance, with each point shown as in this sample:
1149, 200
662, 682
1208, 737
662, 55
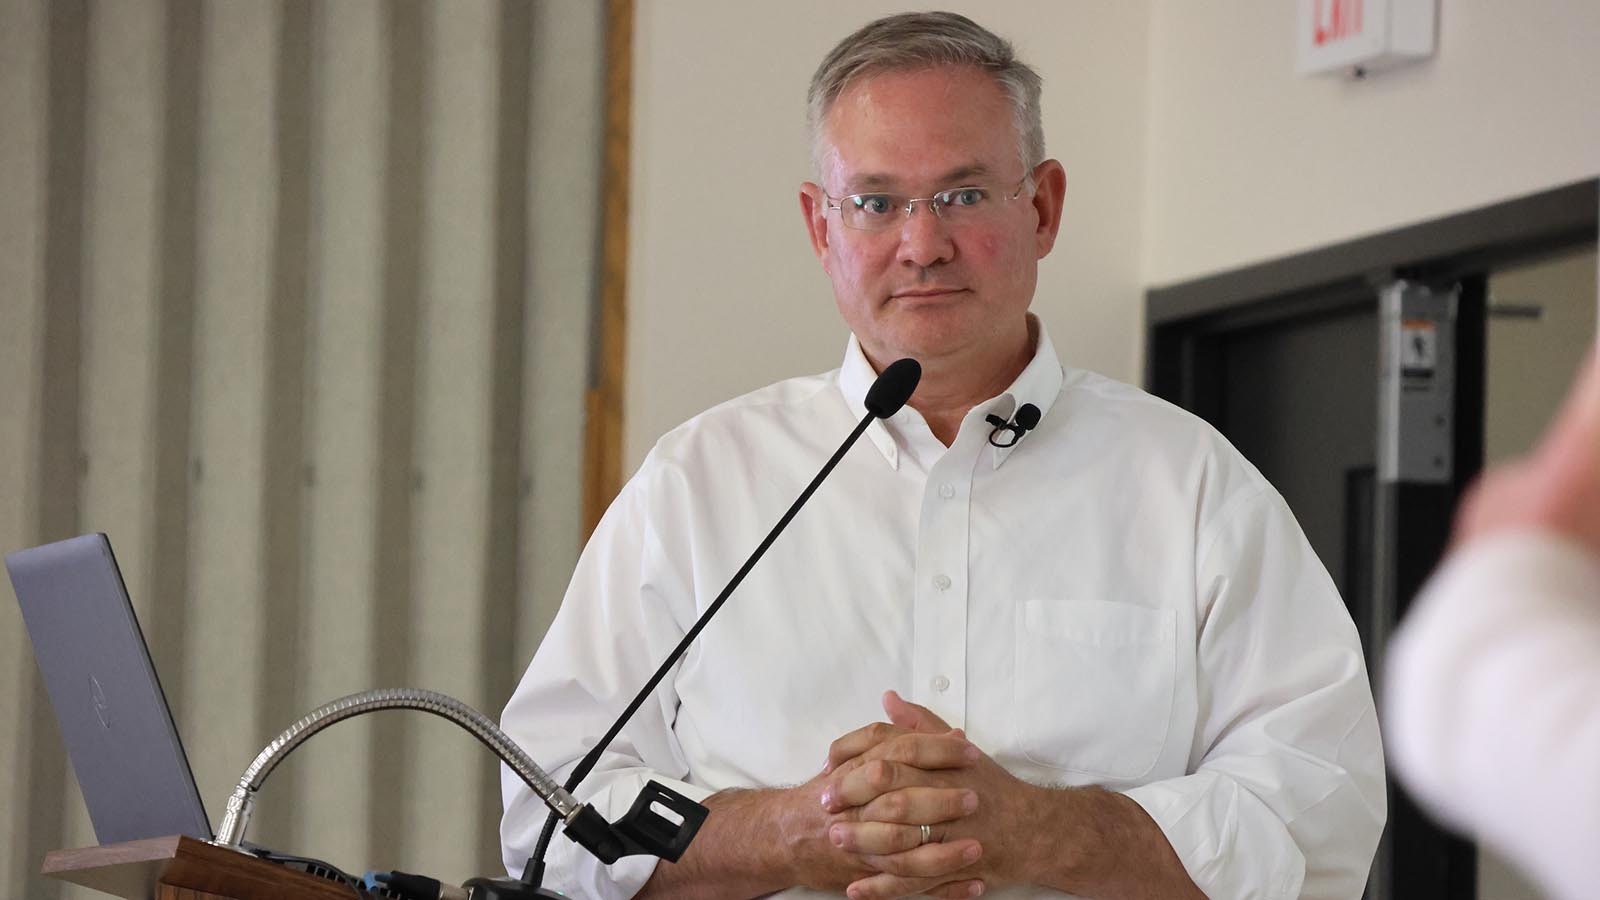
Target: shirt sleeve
1286, 795
1491, 705
623, 612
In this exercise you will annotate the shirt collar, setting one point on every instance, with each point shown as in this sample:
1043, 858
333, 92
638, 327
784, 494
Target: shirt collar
1039, 384
856, 376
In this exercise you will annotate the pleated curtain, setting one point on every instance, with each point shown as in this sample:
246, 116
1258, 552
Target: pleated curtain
296, 304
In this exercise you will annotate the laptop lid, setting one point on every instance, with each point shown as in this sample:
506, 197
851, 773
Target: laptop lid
114, 718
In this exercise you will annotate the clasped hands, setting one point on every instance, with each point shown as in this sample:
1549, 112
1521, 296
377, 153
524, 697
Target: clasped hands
883, 783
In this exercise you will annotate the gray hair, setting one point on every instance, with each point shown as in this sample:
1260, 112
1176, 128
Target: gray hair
924, 40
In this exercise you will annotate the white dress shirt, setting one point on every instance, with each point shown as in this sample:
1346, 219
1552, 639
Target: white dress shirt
1119, 600
1492, 703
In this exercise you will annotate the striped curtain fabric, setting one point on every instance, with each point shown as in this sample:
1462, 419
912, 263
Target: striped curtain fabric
296, 303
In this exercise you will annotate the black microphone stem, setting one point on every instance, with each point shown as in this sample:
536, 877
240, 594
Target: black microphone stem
593, 757
587, 764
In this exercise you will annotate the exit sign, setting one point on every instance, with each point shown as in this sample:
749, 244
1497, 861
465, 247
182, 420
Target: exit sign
1354, 37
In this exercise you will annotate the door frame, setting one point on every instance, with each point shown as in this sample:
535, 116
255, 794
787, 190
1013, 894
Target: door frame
1179, 317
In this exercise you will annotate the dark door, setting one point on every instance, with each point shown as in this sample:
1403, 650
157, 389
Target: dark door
1299, 400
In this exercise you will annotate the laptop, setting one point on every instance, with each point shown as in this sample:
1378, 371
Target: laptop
96, 667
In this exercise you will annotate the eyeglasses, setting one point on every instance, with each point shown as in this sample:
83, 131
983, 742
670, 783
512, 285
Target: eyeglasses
970, 204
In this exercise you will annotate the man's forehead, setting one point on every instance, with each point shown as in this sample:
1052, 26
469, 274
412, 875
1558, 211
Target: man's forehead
917, 129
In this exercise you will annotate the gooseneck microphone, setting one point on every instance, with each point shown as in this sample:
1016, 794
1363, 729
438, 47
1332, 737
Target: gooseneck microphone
888, 393
1027, 416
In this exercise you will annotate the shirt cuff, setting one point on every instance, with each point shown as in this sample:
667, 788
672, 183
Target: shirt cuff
1230, 845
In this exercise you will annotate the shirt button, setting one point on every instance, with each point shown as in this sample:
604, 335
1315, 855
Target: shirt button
941, 684
947, 490
942, 582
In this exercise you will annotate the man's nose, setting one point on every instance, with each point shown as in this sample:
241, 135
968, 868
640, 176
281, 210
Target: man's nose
924, 237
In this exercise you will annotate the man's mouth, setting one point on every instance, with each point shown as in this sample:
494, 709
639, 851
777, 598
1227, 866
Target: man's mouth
926, 292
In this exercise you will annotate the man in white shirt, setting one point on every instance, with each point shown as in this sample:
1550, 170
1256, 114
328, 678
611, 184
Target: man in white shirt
1109, 662
1492, 699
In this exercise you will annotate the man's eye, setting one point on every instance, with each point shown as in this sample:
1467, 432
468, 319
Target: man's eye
874, 204
970, 196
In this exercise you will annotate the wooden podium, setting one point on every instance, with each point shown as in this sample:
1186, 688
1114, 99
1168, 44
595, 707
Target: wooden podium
182, 868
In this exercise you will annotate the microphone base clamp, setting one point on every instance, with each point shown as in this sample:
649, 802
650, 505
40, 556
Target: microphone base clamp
643, 830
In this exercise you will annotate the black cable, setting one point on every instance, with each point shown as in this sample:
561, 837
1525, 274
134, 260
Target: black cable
340, 874
533, 872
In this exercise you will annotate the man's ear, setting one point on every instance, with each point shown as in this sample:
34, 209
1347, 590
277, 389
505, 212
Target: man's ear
814, 208
1049, 199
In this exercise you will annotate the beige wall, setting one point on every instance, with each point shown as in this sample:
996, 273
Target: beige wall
1530, 361
724, 294
1247, 161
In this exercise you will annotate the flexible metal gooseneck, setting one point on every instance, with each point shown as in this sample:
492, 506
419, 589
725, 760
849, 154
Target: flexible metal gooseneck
237, 818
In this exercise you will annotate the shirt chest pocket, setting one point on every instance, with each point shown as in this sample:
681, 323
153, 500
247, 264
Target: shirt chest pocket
1094, 685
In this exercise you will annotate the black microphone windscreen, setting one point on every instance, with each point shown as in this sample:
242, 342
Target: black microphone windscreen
1027, 416
894, 387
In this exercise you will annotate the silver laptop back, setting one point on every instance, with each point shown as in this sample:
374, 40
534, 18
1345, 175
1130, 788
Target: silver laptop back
114, 717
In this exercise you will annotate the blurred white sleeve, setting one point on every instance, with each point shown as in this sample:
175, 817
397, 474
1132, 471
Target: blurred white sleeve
1492, 703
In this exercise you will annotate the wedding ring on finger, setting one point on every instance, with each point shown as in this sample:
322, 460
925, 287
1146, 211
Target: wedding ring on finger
927, 834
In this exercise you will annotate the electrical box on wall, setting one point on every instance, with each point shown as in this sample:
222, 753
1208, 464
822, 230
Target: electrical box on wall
1355, 37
